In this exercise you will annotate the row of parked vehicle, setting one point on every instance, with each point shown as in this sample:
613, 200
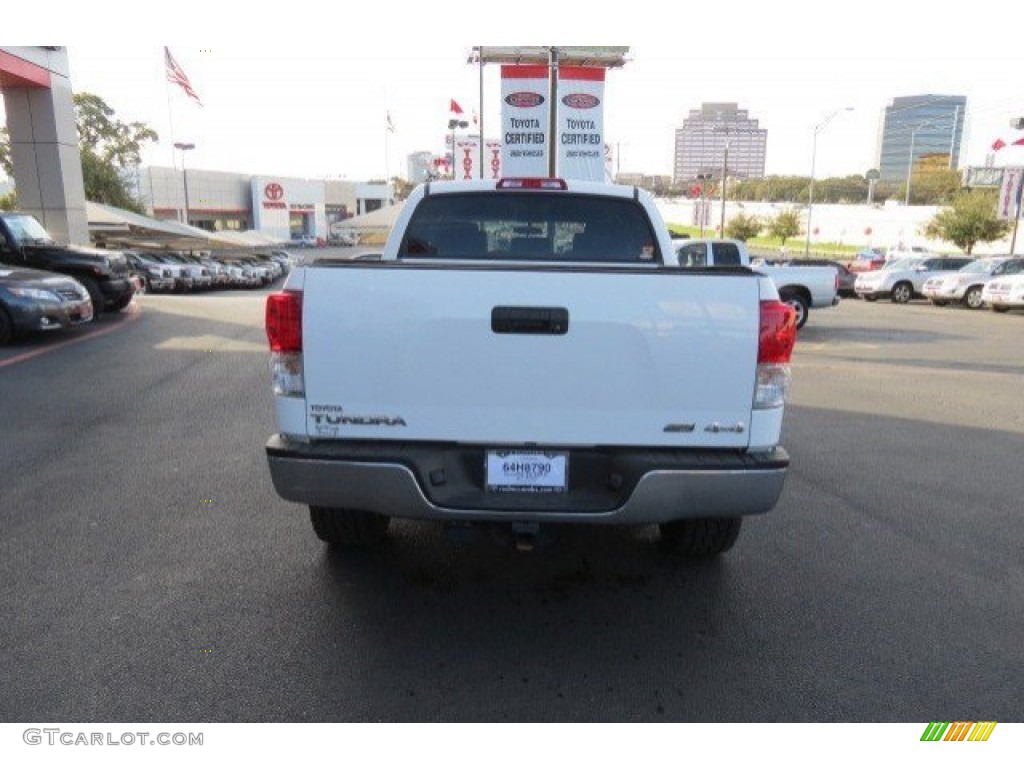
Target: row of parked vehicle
996, 282
993, 281
174, 272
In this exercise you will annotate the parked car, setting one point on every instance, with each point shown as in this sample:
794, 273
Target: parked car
156, 276
965, 285
1005, 291
845, 278
904, 251
903, 279
867, 259
305, 241
37, 300
24, 243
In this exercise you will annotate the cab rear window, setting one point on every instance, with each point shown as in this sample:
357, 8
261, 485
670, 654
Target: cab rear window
535, 226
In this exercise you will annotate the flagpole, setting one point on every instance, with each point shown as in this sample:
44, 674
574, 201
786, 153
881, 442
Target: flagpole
170, 116
170, 123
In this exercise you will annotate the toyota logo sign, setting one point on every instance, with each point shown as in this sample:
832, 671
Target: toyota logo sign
273, 191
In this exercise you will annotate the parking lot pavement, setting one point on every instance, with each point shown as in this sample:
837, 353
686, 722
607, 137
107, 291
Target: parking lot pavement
944, 365
27, 347
151, 574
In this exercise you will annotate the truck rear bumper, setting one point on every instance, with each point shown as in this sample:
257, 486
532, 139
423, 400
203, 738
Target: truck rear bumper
619, 486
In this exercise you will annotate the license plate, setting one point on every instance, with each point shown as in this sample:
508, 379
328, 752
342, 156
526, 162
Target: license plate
527, 471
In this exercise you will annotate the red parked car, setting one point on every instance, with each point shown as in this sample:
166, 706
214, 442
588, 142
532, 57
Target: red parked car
867, 259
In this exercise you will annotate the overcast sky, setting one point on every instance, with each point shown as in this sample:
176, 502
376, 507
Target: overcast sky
302, 91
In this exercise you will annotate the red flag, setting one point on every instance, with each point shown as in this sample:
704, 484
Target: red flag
1019, 142
455, 107
998, 144
176, 74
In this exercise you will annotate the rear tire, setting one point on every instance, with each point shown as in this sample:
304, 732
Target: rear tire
799, 304
999, 308
938, 302
701, 536
349, 528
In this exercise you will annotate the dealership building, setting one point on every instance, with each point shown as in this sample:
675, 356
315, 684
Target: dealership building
278, 205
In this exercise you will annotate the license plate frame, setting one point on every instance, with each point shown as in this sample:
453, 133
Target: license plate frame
526, 471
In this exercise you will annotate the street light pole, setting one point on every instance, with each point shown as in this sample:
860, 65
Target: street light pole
814, 154
184, 147
725, 173
910, 163
453, 124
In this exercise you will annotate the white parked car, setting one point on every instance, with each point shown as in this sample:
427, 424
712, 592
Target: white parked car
1005, 291
903, 279
965, 285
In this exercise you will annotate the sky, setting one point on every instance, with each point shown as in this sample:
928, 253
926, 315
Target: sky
305, 91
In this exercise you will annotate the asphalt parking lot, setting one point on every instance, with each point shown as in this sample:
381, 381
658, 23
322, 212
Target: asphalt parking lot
148, 571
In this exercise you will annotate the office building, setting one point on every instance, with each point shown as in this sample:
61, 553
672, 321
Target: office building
701, 143
926, 125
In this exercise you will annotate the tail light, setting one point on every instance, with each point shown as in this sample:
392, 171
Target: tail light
776, 339
284, 332
284, 321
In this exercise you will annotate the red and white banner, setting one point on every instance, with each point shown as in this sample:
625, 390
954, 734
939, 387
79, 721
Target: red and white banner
524, 120
467, 159
1009, 192
579, 141
580, 138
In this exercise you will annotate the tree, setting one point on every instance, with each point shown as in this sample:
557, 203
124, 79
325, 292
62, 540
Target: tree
106, 145
971, 219
401, 187
5, 152
785, 225
743, 227
107, 137
931, 180
9, 202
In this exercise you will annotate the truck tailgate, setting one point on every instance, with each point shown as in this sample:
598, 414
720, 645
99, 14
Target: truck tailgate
514, 355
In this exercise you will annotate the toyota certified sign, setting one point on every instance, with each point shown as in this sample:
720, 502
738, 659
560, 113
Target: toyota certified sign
524, 99
273, 191
580, 100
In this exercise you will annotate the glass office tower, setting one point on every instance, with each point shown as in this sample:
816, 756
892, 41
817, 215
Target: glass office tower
927, 124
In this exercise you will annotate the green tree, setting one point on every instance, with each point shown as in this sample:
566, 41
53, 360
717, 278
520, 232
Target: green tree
971, 219
401, 187
107, 137
784, 225
9, 202
106, 145
743, 227
931, 181
5, 152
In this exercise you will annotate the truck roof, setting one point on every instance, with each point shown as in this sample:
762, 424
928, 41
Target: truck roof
571, 185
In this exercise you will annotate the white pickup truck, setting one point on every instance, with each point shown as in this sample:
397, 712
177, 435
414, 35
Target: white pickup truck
799, 286
526, 352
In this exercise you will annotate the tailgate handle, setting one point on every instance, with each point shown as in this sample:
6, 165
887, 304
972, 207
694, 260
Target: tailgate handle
551, 321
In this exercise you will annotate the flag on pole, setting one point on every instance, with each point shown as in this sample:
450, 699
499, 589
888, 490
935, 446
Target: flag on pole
1018, 143
390, 125
476, 120
455, 108
176, 74
998, 144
